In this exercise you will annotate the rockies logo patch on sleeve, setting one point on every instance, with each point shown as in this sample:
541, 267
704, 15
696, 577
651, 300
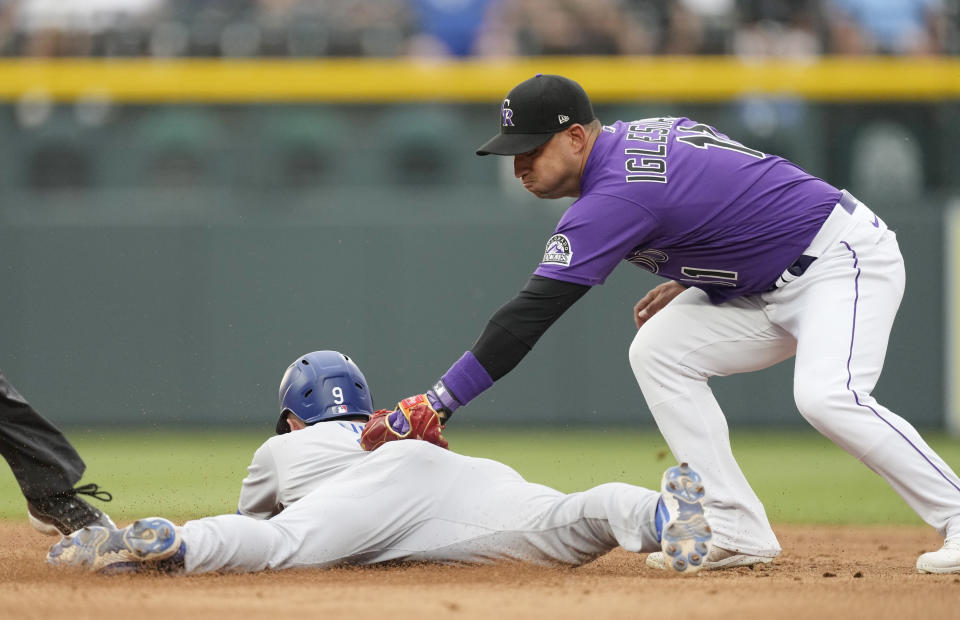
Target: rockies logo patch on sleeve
558, 251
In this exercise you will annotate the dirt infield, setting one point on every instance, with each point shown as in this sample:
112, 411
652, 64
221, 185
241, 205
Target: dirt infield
824, 572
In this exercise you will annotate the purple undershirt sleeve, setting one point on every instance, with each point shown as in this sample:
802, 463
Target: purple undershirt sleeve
465, 380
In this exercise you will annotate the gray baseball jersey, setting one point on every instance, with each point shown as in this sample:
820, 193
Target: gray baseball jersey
287, 467
407, 500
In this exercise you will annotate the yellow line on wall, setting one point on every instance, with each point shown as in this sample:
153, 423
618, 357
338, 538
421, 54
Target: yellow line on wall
607, 79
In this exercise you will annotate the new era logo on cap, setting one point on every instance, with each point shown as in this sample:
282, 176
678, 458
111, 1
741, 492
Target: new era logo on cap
535, 110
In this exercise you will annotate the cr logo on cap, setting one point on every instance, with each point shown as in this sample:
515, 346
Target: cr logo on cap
506, 114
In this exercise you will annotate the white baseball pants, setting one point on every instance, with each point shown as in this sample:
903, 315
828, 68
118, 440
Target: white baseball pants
836, 319
410, 500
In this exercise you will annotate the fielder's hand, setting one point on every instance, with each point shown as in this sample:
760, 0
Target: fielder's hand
655, 300
413, 418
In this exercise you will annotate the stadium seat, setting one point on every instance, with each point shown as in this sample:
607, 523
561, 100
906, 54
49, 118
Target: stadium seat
9, 138
55, 153
298, 148
886, 164
421, 145
176, 146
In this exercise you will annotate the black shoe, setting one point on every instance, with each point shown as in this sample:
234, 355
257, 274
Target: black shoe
65, 513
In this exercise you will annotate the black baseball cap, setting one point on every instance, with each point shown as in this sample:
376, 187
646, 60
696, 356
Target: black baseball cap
535, 110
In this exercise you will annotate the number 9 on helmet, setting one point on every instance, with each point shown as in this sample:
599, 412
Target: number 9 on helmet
323, 385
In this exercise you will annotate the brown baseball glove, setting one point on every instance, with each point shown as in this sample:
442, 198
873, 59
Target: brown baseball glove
413, 418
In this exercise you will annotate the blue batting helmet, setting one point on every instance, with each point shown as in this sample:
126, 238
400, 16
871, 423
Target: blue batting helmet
323, 385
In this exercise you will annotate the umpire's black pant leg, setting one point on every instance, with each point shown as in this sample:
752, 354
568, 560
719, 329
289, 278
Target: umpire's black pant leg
42, 460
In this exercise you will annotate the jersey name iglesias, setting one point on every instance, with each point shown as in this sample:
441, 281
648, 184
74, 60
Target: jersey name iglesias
684, 201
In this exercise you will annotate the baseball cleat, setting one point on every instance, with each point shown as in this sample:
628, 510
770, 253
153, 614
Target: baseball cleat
684, 532
65, 513
944, 560
718, 558
102, 549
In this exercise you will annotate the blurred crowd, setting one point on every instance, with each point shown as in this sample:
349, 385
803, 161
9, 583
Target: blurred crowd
391, 28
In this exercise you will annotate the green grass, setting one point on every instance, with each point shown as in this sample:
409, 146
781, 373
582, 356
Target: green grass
800, 476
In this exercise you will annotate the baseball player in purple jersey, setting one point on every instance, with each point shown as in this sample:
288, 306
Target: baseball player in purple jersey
764, 262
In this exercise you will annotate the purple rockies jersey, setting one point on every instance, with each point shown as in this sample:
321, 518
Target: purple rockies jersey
681, 200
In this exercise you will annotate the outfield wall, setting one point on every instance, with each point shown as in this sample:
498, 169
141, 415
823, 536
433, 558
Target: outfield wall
951, 285
161, 261
193, 317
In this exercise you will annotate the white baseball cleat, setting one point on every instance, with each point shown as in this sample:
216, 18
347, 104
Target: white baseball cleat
716, 559
684, 532
103, 549
944, 560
